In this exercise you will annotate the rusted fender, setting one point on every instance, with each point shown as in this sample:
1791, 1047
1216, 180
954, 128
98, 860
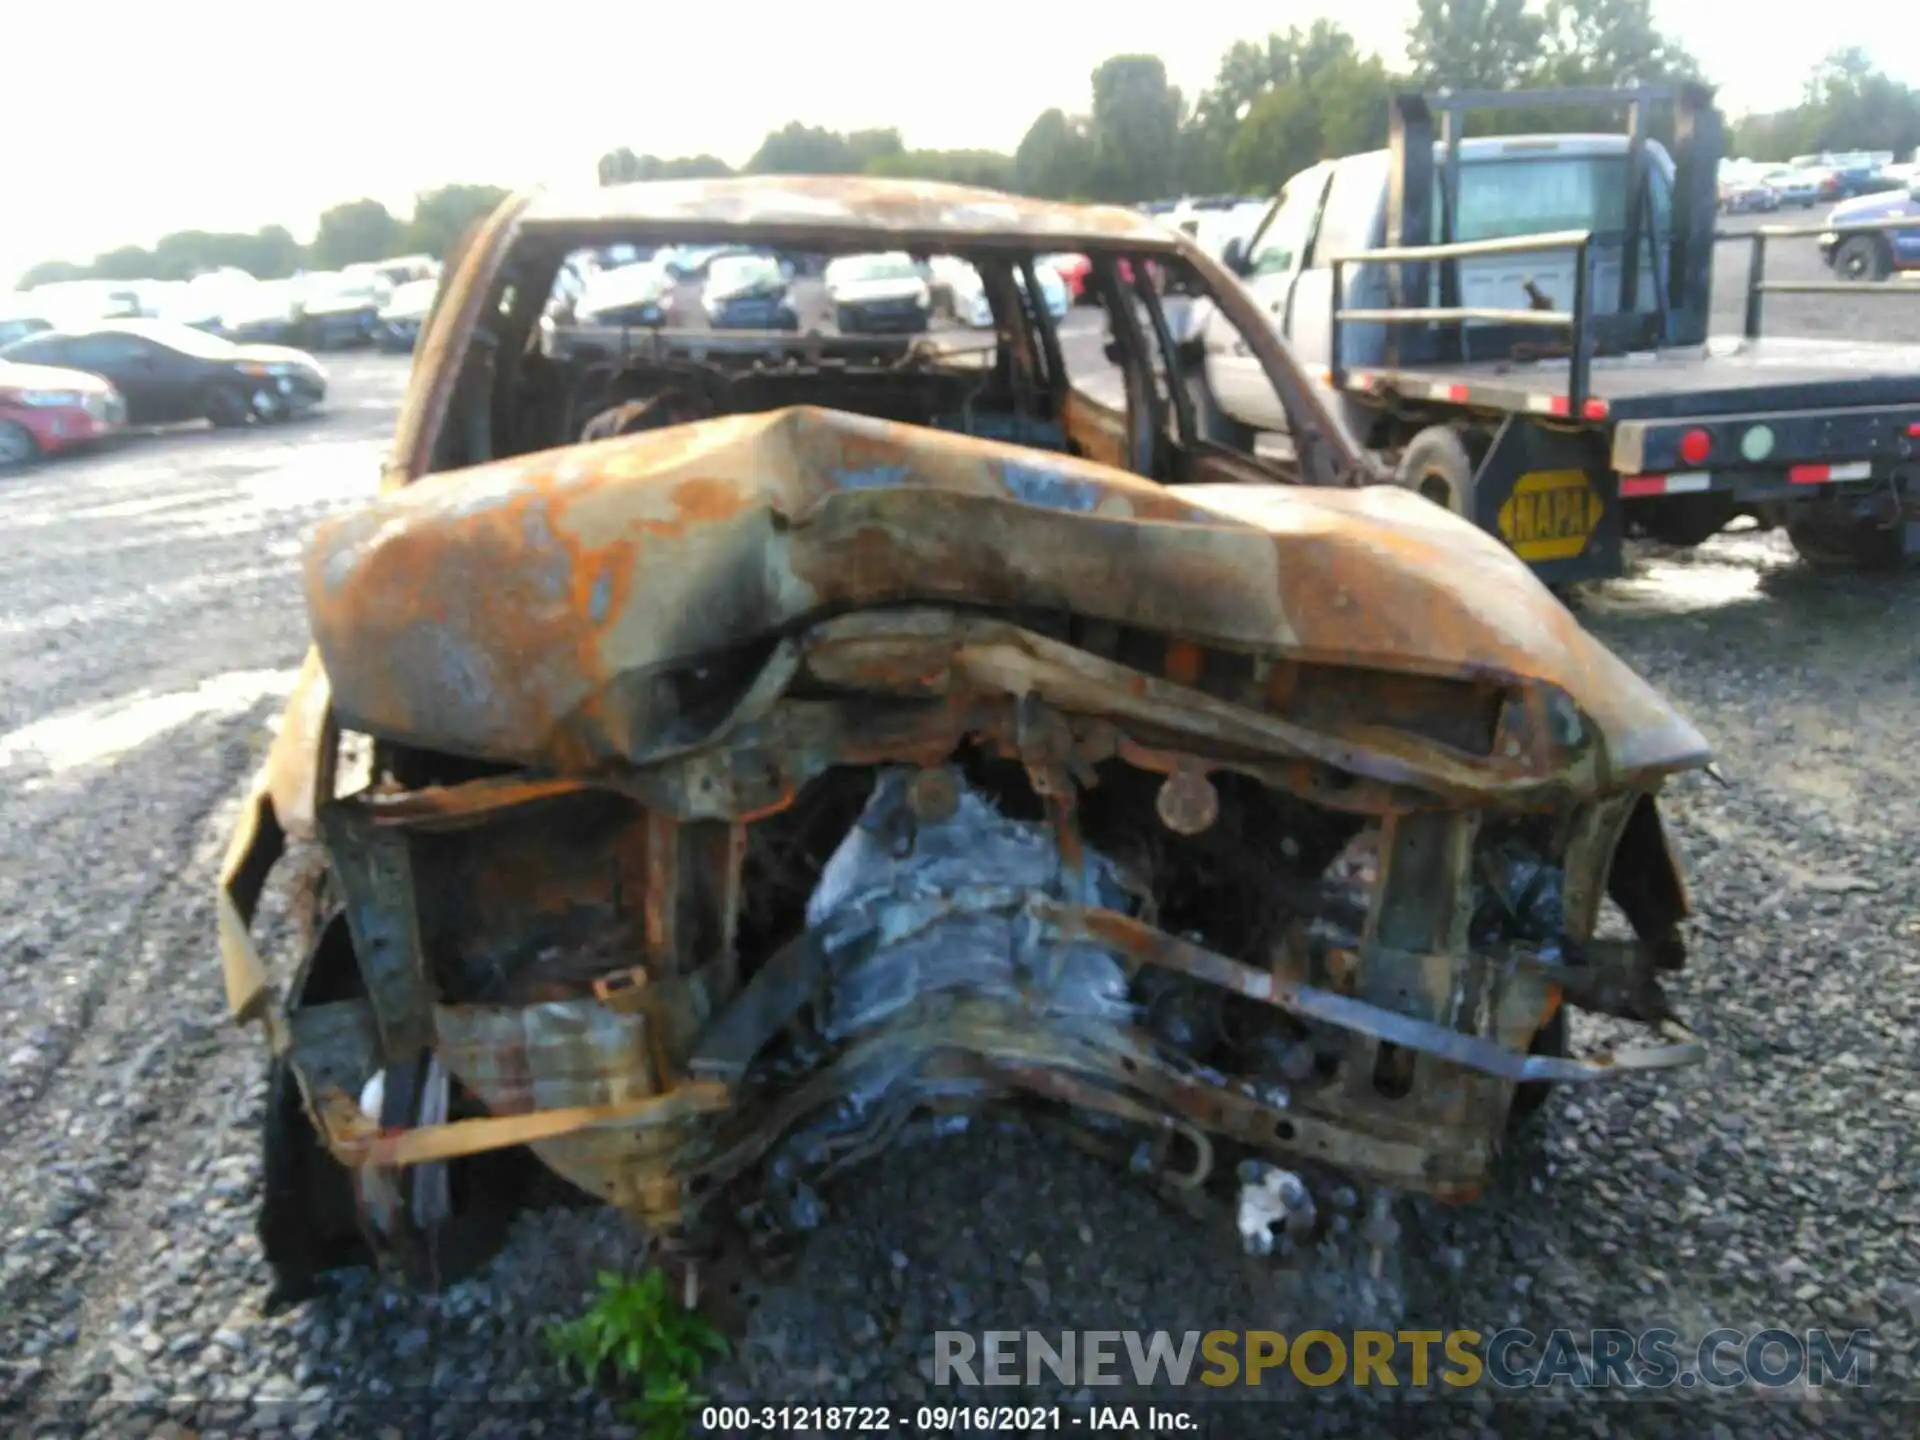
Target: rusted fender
533, 609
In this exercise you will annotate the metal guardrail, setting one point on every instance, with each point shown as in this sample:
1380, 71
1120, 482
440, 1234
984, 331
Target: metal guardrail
1758, 286
1575, 321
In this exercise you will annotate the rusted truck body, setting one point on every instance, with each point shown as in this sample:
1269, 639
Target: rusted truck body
808, 766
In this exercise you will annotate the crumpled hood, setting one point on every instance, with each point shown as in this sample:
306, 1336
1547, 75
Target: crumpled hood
484, 611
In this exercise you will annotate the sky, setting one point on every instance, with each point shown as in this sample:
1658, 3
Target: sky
213, 115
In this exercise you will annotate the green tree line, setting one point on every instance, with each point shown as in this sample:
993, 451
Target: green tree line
1275, 106
348, 233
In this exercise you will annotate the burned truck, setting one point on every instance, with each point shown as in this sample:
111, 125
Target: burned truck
865, 730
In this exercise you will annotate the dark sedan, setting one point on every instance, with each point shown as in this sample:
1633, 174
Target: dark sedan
339, 312
18, 327
170, 373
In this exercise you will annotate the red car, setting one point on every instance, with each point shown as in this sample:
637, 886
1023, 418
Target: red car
44, 410
1074, 269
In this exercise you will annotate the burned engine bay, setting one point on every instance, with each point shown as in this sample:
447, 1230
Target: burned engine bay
749, 795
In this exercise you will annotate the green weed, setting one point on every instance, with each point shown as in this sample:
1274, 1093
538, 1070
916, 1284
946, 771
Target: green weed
638, 1336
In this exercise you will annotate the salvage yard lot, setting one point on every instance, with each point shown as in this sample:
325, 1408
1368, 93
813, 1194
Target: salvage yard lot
150, 624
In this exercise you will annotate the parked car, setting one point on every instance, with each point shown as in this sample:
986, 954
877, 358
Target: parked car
688, 262
880, 293
1794, 187
748, 292
45, 409
203, 301
964, 296
18, 327
401, 270
263, 314
403, 315
632, 295
1743, 189
1073, 270
337, 311
170, 373
1873, 255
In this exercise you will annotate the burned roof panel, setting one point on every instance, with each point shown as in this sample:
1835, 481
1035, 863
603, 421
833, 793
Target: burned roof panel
890, 210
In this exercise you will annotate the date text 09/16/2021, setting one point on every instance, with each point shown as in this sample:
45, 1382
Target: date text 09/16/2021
941, 1419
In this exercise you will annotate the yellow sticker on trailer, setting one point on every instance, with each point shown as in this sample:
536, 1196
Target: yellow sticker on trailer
1551, 515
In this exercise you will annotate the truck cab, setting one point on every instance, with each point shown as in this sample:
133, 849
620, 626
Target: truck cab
1509, 186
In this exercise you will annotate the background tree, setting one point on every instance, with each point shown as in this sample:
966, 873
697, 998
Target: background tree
868, 147
51, 272
270, 252
1851, 105
441, 216
128, 262
1055, 158
617, 167
1313, 94
1610, 42
359, 230
1475, 44
1135, 129
1339, 107
990, 168
797, 149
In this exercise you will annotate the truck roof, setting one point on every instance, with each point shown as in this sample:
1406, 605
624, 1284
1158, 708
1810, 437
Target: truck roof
1492, 147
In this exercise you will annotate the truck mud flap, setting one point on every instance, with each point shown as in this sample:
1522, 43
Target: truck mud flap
1551, 496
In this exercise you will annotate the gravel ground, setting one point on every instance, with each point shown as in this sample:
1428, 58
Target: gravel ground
149, 625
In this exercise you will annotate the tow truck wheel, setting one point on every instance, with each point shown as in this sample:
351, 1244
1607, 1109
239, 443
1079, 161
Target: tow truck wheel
1849, 545
1438, 465
1863, 258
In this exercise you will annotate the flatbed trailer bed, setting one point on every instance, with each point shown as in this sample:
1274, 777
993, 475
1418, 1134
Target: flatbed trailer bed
1722, 377
1570, 455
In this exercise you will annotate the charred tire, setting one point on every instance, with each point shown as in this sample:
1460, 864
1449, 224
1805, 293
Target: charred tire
1215, 425
1851, 545
308, 1219
1549, 1039
1685, 520
17, 445
1439, 465
1864, 258
227, 407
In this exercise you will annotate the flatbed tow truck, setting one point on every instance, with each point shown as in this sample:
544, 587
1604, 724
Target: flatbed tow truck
1556, 382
